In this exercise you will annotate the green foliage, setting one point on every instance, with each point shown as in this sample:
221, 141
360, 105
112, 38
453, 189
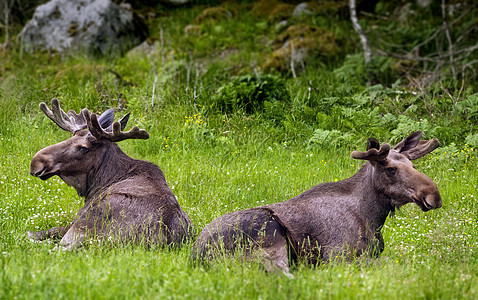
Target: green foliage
251, 94
331, 138
354, 70
469, 107
406, 125
427, 52
472, 140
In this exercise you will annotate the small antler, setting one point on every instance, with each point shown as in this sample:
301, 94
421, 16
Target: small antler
71, 122
116, 135
373, 153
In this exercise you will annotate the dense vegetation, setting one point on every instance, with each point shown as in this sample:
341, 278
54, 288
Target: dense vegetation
238, 120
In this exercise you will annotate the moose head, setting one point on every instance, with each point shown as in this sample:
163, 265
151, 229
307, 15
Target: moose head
394, 173
73, 159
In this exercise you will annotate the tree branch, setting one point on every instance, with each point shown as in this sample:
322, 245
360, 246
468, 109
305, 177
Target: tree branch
448, 37
367, 51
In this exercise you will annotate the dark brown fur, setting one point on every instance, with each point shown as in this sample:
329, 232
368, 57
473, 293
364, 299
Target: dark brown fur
330, 219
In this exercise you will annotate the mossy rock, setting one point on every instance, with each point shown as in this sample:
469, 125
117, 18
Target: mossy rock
194, 30
281, 11
298, 42
213, 14
273, 9
330, 7
403, 66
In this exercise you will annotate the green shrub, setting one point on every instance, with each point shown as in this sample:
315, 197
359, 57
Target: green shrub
251, 94
406, 126
469, 107
354, 70
331, 138
472, 140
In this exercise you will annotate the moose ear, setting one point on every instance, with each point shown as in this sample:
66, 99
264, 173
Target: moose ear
422, 149
124, 121
107, 118
409, 142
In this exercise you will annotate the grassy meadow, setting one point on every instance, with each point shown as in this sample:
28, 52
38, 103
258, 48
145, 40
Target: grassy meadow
220, 154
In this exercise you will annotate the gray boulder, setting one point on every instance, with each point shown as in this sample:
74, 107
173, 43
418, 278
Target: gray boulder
302, 9
424, 3
86, 26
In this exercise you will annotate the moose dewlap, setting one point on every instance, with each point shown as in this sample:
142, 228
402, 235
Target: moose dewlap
125, 199
336, 218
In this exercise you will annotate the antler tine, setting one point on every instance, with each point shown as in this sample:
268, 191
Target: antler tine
133, 133
71, 123
93, 125
77, 120
57, 115
115, 136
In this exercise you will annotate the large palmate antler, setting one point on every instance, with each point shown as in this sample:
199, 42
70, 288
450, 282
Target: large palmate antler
71, 122
117, 134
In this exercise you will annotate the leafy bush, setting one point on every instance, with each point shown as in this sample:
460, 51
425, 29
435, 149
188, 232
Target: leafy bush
356, 71
472, 140
328, 138
469, 107
250, 93
352, 69
406, 126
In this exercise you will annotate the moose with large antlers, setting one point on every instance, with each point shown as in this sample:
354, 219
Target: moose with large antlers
126, 199
331, 219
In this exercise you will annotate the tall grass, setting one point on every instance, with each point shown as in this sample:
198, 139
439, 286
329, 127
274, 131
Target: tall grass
428, 255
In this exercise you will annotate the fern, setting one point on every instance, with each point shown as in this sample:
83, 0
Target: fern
407, 125
469, 107
327, 138
472, 140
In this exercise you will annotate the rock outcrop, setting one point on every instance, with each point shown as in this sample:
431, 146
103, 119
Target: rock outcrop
86, 26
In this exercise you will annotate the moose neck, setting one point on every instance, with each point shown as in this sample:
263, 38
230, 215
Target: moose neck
112, 165
372, 204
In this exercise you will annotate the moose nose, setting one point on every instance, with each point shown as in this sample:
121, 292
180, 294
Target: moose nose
37, 173
432, 201
38, 165
437, 201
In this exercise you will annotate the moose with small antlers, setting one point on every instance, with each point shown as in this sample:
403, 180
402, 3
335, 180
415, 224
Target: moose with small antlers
335, 219
126, 200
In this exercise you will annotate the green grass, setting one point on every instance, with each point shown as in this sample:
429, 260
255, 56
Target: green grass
427, 255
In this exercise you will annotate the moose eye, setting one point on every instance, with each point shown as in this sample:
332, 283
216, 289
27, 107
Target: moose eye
391, 171
82, 149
